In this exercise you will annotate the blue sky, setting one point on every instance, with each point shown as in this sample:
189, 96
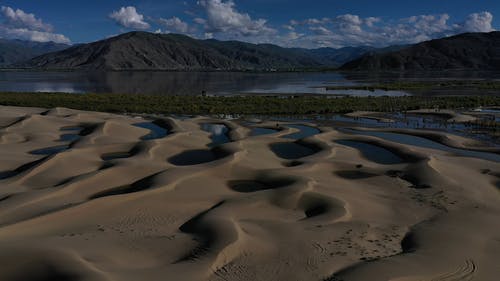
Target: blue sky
291, 23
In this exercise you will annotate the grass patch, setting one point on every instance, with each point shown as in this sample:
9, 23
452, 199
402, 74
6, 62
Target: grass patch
123, 103
479, 85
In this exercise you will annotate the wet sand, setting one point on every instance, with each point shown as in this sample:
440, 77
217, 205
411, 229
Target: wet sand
98, 196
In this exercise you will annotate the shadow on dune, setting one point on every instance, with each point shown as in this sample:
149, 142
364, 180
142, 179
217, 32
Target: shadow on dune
140, 185
22, 169
14, 122
315, 205
200, 156
258, 184
50, 150
48, 273
355, 174
6, 174
120, 155
416, 182
293, 163
34, 269
104, 166
204, 231
409, 243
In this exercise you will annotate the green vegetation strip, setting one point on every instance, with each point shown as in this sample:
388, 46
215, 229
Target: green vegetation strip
480, 85
122, 103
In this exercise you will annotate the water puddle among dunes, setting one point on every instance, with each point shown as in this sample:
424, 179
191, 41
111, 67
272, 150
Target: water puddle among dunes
304, 131
259, 131
218, 133
372, 152
490, 110
291, 150
491, 114
196, 157
50, 150
426, 143
398, 120
156, 131
69, 137
72, 135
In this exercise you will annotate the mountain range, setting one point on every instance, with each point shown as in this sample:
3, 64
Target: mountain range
468, 51
16, 51
150, 51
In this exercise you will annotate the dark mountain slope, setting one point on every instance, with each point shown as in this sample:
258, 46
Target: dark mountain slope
148, 51
15, 51
474, 51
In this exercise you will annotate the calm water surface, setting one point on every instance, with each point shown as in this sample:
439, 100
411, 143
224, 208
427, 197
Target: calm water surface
156, 132
217, 83
170, 83
218, 133
211, 83
426, 143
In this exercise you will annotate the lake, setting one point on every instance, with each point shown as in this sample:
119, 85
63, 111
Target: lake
211, 83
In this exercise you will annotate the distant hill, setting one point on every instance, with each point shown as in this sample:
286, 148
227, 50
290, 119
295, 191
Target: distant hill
148, 51
15, 51
468, 51
337, 57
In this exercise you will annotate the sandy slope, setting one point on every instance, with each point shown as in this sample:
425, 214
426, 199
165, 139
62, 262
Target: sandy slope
175, 209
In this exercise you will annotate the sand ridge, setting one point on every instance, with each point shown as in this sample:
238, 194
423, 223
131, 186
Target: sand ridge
109, 205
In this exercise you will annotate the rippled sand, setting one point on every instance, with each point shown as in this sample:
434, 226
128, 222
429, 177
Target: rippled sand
112, 200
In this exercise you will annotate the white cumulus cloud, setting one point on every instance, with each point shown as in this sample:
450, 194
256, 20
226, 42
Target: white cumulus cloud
18, 24
353, 30
348, 23
371, 21
477, 22
320, 30
129, 17
429, 24
175, 24
223, 17
19, 19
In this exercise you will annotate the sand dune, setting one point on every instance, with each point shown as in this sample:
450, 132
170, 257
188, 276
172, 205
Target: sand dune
87, 196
